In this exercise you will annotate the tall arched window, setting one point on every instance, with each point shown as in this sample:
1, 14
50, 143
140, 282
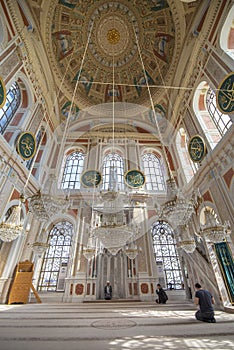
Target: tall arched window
187, 167
56, 256
166, 254
13, 99
72, 171
113, 172
227, 34
213, 122
153, 170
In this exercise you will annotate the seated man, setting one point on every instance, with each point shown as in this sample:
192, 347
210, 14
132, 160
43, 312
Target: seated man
204, 300
108, 291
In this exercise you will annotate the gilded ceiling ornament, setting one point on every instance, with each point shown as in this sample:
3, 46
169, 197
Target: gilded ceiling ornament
113, 36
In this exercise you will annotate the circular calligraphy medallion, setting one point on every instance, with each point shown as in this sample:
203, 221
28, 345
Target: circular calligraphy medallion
91, 178
197, 148
135, 178
225, 95
26, 145
2, 93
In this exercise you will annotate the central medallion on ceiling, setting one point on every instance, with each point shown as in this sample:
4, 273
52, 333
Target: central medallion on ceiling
113, 36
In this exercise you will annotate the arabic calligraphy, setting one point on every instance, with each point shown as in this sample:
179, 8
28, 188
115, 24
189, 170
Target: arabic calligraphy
91, 178
225, 95
135, 178
197, 148
26, 145
2, 93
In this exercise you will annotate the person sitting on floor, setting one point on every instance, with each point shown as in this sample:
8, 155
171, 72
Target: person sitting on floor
205, 301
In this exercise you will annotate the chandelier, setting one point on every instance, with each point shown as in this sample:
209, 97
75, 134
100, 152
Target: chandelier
131, 251
185, 240
43, 206
11, 228
213, 231
89, 251
113, 237
177, 209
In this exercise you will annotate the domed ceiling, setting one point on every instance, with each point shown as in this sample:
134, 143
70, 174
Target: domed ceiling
105, 50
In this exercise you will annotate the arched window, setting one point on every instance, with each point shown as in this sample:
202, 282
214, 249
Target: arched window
213, 122
13, 99
153, 172
227, 34
187, 167
113, 172
166, 254
72, 171
56, 256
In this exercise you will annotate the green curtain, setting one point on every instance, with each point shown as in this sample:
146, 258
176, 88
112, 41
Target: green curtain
226, 264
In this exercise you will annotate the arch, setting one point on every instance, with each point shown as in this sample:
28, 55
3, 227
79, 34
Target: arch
213, 123
154, 170
166, 255
113, 171
57, 255
73, 168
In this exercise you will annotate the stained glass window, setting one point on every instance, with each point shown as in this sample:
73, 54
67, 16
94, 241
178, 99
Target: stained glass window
59, 239
7, 112
166, 254
113, 172
72, 172
153, 172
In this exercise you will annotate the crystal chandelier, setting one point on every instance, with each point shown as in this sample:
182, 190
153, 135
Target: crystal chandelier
213, 231
177, 209
45, 205
11, 228
131, 251
113, 236
185, 240
89, 251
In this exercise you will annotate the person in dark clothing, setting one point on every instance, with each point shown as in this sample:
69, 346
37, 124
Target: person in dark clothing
162, 296
205, 301
108, 291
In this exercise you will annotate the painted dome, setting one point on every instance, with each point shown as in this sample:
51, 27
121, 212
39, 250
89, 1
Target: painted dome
111, 50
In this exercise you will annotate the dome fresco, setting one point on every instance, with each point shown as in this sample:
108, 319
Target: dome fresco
110, 50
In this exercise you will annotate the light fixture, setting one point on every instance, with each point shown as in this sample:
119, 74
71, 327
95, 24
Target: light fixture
45, 205
113, 236
212, 230
11, 228
89, 250
184, 239
177, 209
131, 251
